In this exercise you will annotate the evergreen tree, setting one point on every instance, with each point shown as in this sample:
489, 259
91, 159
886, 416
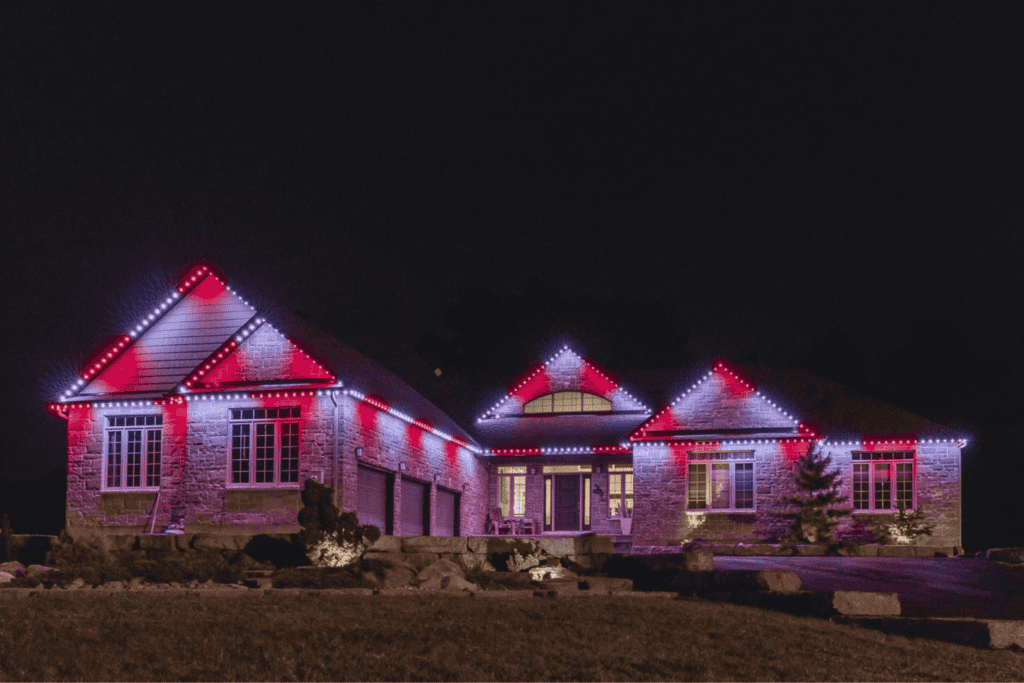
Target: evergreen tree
816, 513
331, 538
904, 527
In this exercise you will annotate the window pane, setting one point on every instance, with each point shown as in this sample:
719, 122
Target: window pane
697, 487
503, 495
547, 501
264, 453
290, 451
905, 484
628, 491
614, 494
113, 459
860, 486
745, 485
153, 457
566, 402
240, 454
593, 402
541, 404
883, 486
133, 459
720, 489
519, 500
586, 501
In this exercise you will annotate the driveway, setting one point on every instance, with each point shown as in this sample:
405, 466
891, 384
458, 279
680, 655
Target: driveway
940, 586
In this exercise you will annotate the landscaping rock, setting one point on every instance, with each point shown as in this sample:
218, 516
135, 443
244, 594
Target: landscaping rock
420, 560
697, 560
1010, 555
387, 544
865, 603
477, 544
434, 544
14, 568
470, 561
559, 547
557, 588
759, 549
810, 550
37, 571
215, 542
76, 584
976, 632
441, 569
551, 572
156, 542
394, 576
896, 551
136, 584
607, 585
449, 584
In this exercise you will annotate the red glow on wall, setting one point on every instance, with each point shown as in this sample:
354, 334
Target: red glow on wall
594, 381
451, 454
793, 449
243, 364
366, 422
662, 421
122, 374
887, 442
535, 383
734, 382
176, 430
414, 435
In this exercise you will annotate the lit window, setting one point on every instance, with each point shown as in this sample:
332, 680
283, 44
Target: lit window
134, 447
720, 481
620, 491
883, 480
512, 491
568, 402
265, 446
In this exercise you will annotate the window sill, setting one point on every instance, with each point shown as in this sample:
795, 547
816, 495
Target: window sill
264, 487
139, 489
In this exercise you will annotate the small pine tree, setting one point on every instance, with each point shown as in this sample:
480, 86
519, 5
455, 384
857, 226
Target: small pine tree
816, 514
904, 528
332, 538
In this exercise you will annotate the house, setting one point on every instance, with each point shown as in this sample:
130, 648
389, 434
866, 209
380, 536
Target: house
209, 417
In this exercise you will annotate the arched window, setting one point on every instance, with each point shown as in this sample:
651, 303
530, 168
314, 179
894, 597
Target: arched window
568, 402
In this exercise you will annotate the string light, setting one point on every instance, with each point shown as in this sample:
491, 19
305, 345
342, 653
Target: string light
381, 405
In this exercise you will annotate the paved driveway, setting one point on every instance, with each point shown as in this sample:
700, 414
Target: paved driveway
940, 586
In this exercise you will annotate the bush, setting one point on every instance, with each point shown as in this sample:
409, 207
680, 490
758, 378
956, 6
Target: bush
331, 538
278, 551
512, 554
78, 559
903, 527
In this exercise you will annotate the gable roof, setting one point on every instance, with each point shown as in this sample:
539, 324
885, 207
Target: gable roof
504, 427
823, 407
206, 338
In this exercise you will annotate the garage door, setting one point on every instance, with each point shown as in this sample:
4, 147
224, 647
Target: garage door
447, 515
374, 505
414, 508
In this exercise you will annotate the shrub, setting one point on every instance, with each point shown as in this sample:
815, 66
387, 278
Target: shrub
904, 527
79, 559
816, 514
513, 554
280, 552
331, 538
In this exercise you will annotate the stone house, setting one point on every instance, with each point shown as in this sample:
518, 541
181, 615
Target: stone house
208, 417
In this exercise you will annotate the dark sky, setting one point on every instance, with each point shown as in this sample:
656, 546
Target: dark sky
760, 172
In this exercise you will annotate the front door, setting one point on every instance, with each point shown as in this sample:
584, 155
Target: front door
567, 502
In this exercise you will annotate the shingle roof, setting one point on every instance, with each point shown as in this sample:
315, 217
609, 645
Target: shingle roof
166, 351
558, 431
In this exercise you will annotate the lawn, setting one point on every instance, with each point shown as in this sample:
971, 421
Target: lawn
316, 636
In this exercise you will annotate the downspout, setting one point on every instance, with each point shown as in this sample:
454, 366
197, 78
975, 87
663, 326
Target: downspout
337, 433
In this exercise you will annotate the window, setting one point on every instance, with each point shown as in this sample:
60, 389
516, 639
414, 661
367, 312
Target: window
883, 480
265, 446
134, 447
720, 481
512, 491
568, 402
620, 490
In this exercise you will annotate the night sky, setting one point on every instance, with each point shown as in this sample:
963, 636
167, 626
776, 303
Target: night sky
838, 187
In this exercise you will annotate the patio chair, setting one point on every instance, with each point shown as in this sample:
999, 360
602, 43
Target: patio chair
497, 523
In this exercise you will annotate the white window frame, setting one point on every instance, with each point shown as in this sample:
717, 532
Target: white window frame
874, 462
149, 431
620, 490
243, 437
722, 461
512, 491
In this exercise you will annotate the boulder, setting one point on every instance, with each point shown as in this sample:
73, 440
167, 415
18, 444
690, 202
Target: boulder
590, 545
420, 560
13, 568
470, 561
395, 576
156, 542
37, 571
896, 551
439, 570
477, 544
810, 550
558, 587
434, 544
549, 572
865, 603
76, 584
387, 544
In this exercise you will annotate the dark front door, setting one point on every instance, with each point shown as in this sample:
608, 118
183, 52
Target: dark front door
567, 502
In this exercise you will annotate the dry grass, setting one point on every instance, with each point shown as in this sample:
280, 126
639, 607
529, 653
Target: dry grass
317, 636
